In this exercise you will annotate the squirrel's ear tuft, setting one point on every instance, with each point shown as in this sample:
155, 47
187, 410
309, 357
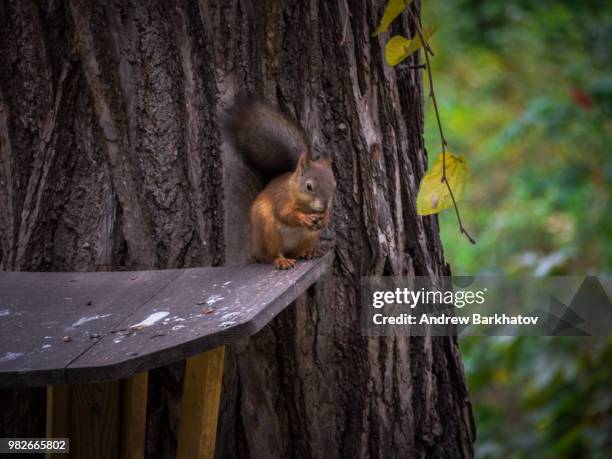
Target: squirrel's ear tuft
303, 162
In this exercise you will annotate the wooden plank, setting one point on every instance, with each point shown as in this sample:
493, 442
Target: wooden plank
37, 310
58, 415
200, 405
202, 309
95, 421
134, 415
206, 308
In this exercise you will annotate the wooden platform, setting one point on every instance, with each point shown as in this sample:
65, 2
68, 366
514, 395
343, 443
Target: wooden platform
64, 328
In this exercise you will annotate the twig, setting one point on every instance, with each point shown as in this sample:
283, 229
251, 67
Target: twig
410, 67
432, 95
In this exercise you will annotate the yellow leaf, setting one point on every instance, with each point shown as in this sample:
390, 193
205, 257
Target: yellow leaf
395, 50
393, 9
433, 193
399, 48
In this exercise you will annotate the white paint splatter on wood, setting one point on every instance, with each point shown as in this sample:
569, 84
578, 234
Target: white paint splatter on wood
230, 316
213, 299
9, 356
84, 320
152, 319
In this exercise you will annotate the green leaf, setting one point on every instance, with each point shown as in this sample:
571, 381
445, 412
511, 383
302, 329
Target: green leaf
393, 9
433, 194
399, 48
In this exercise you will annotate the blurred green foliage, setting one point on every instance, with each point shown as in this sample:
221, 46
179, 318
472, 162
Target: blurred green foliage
525, 92
540, 397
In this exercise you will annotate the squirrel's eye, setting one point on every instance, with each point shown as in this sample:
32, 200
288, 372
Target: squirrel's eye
309, 186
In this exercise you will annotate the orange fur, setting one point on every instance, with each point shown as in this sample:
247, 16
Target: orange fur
289, 213
282, 230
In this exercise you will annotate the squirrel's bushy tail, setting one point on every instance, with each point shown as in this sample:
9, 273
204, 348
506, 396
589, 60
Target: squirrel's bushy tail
268, 140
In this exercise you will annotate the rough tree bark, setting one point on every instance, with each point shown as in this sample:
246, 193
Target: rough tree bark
111, 158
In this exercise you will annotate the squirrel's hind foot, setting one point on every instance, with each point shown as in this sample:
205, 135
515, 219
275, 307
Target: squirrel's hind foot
284, 263
313, 253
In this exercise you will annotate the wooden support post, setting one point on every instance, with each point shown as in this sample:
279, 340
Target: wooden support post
87, 414
58, 415
200, 405
134, 416
95, 420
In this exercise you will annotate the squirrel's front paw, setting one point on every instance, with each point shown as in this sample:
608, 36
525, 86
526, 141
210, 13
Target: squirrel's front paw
320, 221
310, 221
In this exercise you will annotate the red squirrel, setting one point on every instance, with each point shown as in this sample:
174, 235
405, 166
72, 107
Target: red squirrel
288, 215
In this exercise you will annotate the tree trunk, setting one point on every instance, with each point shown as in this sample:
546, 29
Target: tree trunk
111, 157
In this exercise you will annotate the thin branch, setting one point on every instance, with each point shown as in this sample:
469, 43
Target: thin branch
410, 67
432, 95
